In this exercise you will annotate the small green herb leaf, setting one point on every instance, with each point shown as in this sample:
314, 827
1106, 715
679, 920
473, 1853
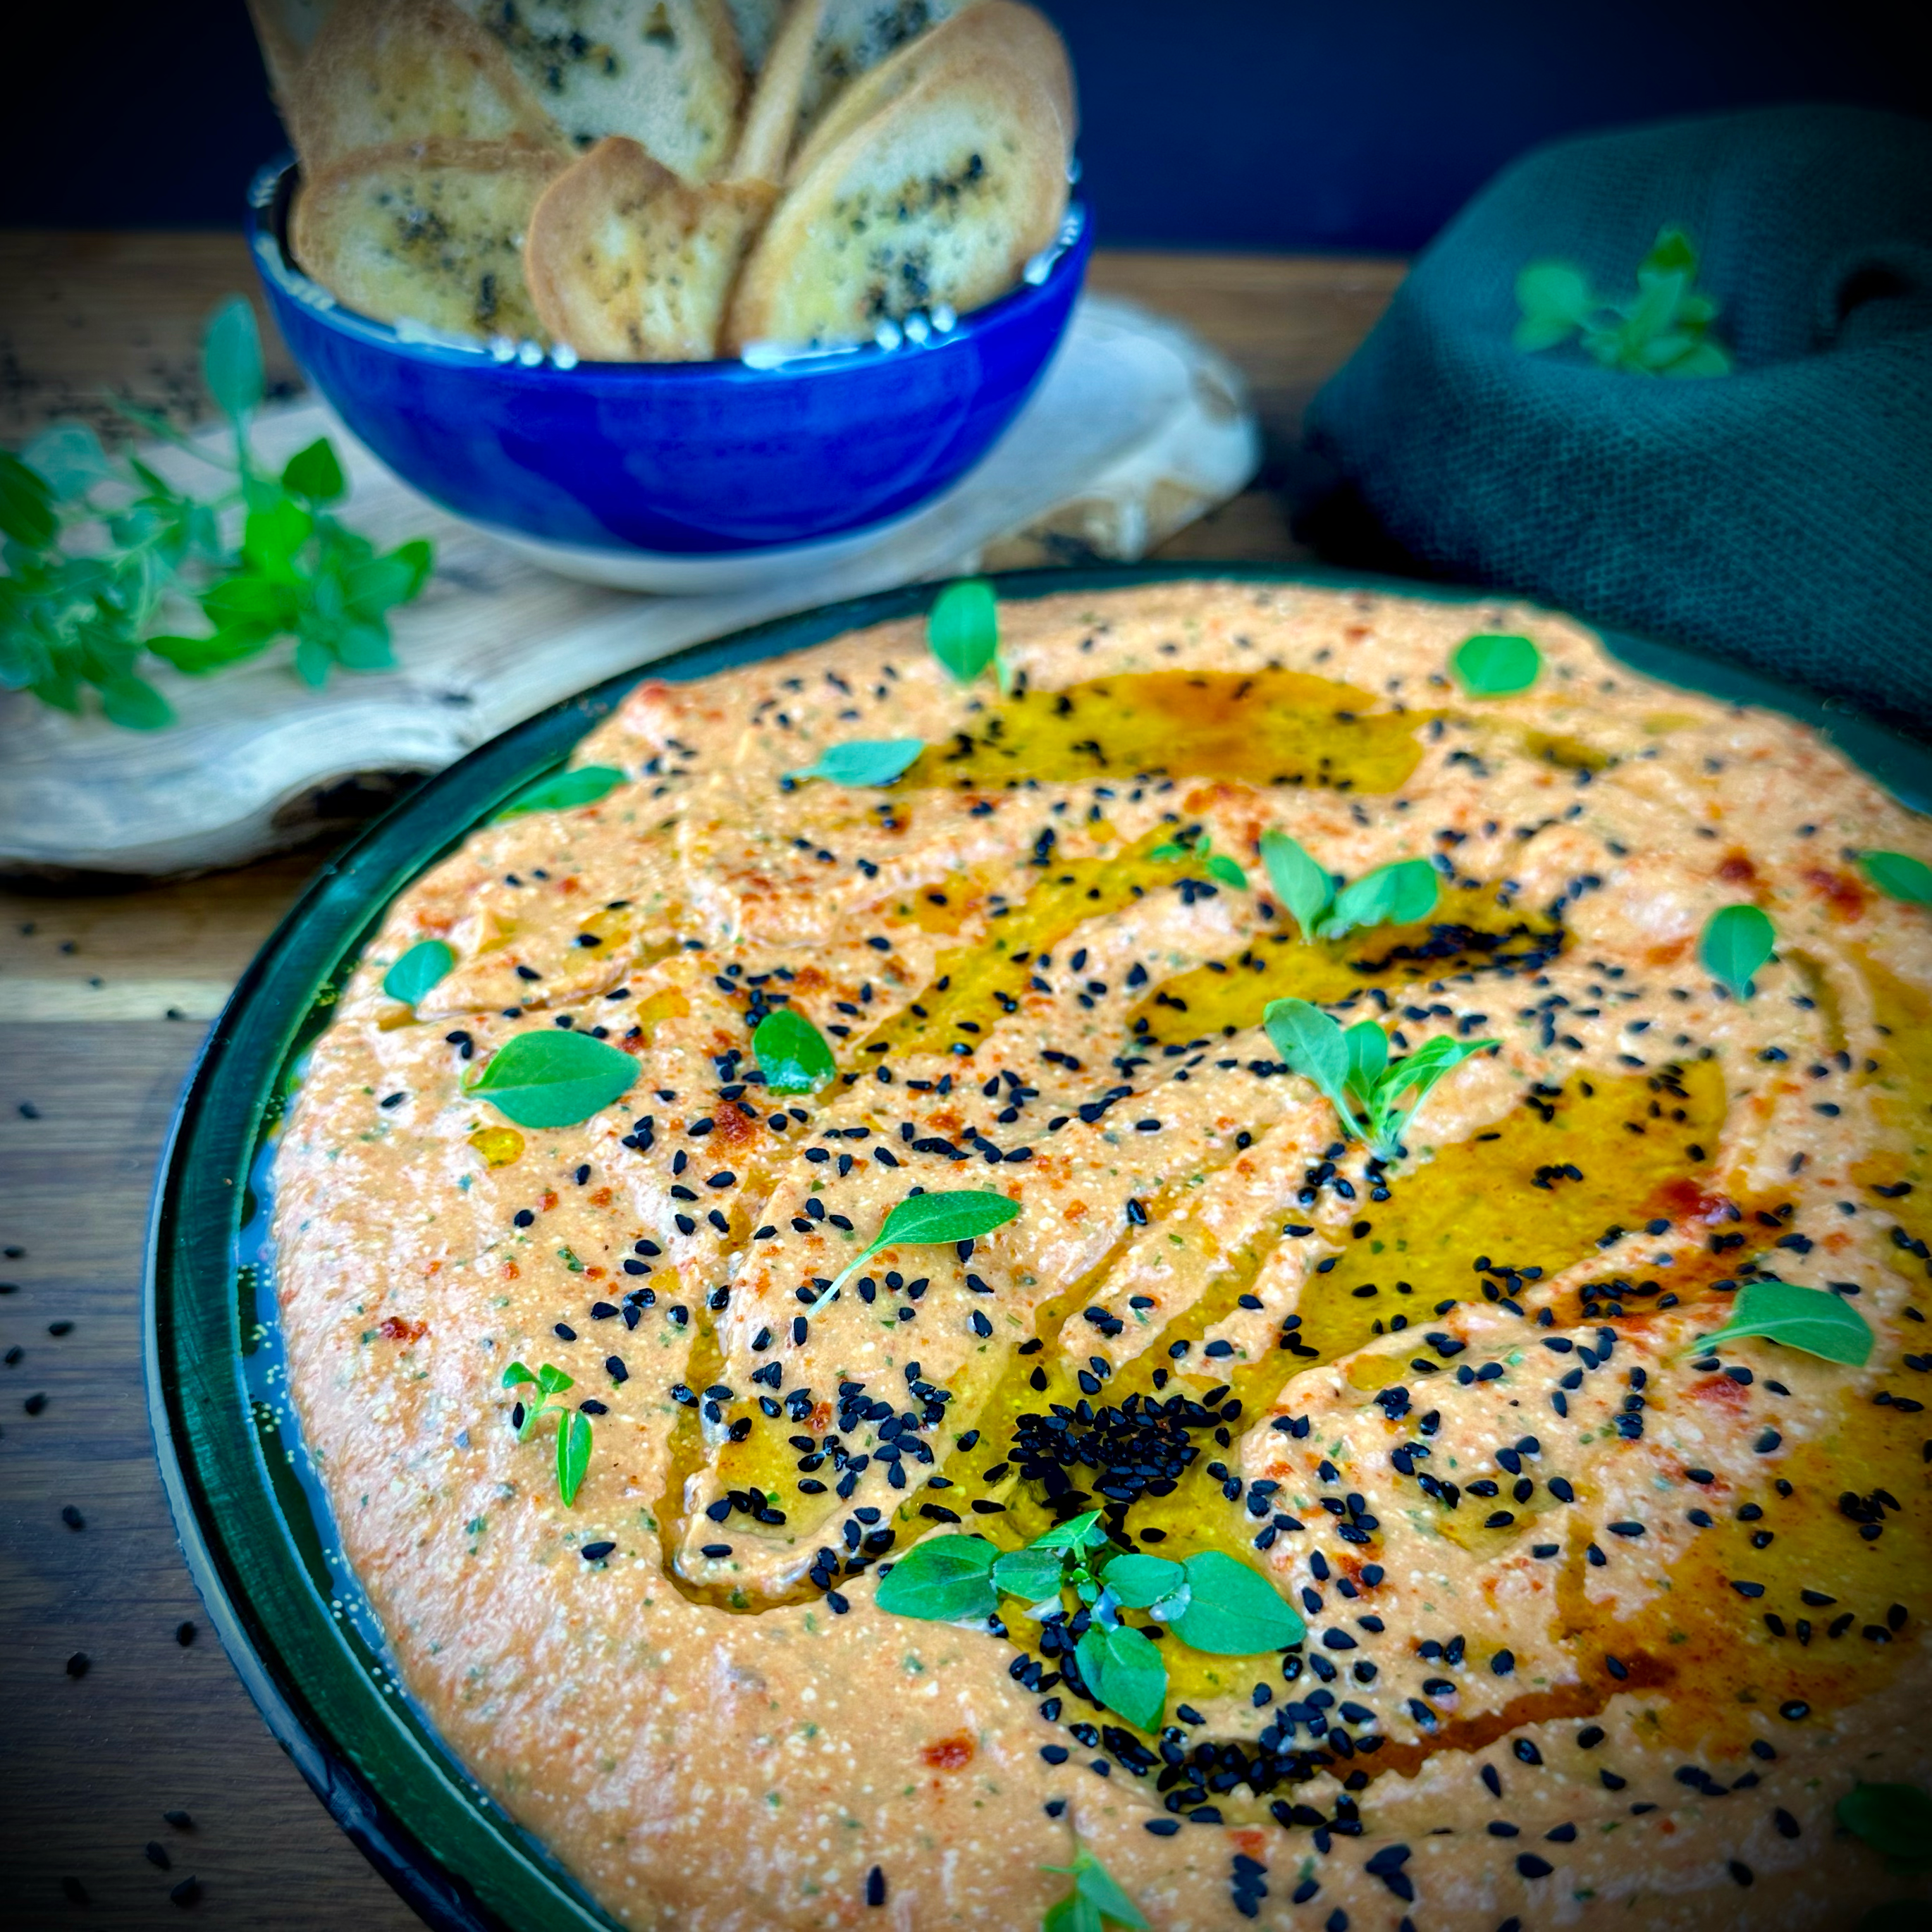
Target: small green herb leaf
1312, 1046
573, 1455
133, 703
1813, 1319
1895, 1820
314, 472
945, 1579
1233, 1611
1141, 1582
1368, 1055
1737, 940
1898, 876
962, 1214
231, 358
1494, 665
963, 627
26, 504
1220, 866
564, 791
865, 761
553, 1381
1401, 893
516, 1373
792, 1053
1096, 1889
69, 455
1032, 1574
1077, 1533
553, 1078
1303, 887
1170, 849
421, 968
1125, 1671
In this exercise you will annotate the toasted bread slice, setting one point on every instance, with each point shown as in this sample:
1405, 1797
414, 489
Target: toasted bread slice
666, 73
856, 36
431, 232
1000, 27
628, 263
387, 70
771, 119
939, 198
756, 22
286, 29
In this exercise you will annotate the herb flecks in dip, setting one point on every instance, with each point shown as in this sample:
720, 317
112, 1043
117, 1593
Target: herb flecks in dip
1597, 1622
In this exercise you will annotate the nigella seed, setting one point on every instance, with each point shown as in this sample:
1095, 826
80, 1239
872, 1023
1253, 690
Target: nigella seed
875, 1886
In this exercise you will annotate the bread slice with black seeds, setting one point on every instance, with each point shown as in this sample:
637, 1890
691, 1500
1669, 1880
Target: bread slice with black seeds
857, 35
382, 71
939, 198
429, 232
999, 29
666, 73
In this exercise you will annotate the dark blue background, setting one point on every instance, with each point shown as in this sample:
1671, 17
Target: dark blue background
1335, 124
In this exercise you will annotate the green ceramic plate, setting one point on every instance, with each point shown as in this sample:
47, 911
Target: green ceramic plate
255, 1527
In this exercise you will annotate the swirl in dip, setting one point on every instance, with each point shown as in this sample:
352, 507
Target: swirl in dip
1599, 1626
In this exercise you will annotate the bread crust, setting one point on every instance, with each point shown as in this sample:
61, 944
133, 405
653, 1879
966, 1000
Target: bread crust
382, 71
430, 231
939, 197
628, 262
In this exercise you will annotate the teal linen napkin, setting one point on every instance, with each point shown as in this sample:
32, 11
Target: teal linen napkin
1780, 514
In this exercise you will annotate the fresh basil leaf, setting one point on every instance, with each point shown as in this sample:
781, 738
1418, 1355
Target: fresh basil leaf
271, 536
420, 968
1554, 296
1140, 1582
1071, 1914
1894, 1820
573, 1455
231, 359
1077, 1532
962, 1214
553, 1380
792, 1053
517, 1373
1813, 1319
200, 656
1898, 876
564, 791
362, 646
1126, 1671
553, 1078
314, 472
1097, 1887
1670, 254
1221, 867
1368, 1055
1032, 1574
312, 661
1737, 940
865, 761
134, 704
1494, 664
1422, 1069
1312, 1044
963, 627
1170, 849
245, 599
69, 455
26, 504
946, 1579
1303, 887
1233, 1611
1401, 893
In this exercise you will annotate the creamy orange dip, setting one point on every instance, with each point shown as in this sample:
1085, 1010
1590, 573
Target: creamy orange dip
1600, 1626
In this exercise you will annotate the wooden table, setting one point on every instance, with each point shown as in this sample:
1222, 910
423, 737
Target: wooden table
89, 1764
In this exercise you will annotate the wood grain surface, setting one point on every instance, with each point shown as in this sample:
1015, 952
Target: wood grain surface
104, 998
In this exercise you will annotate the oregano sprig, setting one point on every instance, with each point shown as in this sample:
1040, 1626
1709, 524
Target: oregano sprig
1353, 1069
925, 1220
71, 623
573, 1430
1403, 892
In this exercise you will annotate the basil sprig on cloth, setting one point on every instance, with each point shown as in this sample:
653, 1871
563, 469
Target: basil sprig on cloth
573, 1429
1211, 1602
552, 1078
1402, 893
1663, 331
1737, 940
1353, 1069
1813, 1319
70, 623
924, 1220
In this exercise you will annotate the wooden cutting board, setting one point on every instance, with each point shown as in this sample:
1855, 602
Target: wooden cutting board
1137, 429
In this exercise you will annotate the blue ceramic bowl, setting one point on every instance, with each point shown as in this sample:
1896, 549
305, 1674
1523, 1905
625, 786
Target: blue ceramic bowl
682, 460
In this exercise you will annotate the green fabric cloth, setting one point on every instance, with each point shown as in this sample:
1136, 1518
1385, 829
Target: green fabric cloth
1781, 514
